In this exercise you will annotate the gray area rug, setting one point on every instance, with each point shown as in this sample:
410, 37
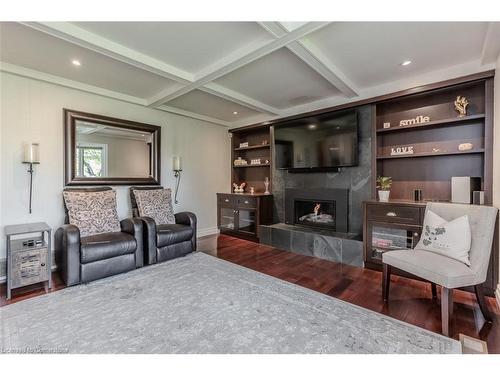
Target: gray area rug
201, 304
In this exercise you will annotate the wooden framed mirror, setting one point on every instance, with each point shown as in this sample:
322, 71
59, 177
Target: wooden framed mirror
101, 150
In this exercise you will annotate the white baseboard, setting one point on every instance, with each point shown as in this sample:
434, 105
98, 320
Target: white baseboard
207, 232
497, 295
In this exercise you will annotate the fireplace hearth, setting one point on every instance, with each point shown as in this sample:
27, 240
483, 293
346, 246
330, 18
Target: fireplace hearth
318, 208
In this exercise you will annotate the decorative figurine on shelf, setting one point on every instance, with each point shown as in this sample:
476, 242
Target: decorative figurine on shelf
384, 186
465, 146
239, 189
264, 142
461, 106
240, 161
266, 184
252, 190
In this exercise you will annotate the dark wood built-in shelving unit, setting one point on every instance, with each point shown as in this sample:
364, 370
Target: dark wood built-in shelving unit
436, 156
259, 147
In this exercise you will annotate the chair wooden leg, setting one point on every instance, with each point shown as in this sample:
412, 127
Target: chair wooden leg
482, 303
434, 290
386, 281
446, 310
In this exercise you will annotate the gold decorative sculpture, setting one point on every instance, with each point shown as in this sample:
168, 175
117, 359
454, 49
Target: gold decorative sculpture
461, 106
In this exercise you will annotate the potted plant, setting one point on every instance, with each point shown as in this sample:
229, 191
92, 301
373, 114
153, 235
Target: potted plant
384, 186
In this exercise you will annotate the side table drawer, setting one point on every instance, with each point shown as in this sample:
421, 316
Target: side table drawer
29, 267
247, 202
226, 200
394, 213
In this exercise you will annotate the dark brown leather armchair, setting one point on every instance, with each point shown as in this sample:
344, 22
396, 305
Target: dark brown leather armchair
84, 259
166, 241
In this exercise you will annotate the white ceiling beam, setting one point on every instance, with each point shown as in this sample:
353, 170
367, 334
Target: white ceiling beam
83, 38
228, 94
315, 59
239, 59
491, 44
197, 116
44, 77
59, 81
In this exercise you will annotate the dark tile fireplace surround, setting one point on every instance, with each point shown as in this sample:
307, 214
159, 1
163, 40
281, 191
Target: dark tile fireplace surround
316, 224
346, 189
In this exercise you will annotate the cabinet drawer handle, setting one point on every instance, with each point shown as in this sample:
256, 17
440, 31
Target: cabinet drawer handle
226, 200
392, 214
246, 202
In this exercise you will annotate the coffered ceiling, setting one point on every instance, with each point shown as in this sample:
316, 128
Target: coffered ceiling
239, 73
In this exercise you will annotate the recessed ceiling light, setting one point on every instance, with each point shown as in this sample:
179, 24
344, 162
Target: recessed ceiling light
235, 113
312, 126
406, 62
76, 62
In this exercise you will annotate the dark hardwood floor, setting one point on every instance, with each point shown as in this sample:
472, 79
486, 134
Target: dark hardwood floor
410, 300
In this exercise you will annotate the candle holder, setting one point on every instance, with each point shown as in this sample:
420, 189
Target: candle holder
31, 157
177, 168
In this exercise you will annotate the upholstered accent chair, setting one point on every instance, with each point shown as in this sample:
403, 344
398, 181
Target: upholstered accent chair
165, 241
444, 271
84, 256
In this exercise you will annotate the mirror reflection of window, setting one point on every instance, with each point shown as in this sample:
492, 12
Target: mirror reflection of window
110, 151
91, 160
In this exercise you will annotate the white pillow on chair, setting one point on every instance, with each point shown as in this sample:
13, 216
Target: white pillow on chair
448, 238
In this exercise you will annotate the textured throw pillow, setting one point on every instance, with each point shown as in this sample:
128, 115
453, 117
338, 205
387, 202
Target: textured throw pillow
451, 239
93, 212
156, 204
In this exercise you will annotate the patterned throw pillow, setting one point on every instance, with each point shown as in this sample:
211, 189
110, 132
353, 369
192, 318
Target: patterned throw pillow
93, 212
156, 204
448, 238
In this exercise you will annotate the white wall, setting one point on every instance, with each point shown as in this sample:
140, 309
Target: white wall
496, 148
31, 111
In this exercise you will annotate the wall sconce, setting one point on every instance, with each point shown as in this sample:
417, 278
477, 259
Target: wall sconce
31, 157
177, 168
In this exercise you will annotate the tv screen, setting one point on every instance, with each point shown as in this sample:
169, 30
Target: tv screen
317, 142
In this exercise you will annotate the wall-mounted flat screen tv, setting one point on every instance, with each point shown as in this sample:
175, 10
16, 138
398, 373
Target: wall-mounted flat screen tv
317, 142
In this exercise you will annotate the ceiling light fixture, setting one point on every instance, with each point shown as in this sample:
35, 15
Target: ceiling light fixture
76, 62
406, 62
235, 113
312, 126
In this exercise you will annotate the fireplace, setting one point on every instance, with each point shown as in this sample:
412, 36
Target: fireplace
315, 213
320, 208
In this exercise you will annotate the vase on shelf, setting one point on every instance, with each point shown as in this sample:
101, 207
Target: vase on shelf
266, 184
383, 195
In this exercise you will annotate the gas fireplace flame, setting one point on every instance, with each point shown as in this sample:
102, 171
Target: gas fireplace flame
316, 209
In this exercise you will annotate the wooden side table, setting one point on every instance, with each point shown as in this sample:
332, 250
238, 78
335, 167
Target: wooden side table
29, 259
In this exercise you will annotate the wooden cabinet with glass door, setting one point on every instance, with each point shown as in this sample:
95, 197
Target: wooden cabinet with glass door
240, 215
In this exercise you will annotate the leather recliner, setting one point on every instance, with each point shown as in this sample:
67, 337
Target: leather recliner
84, 259
165, 241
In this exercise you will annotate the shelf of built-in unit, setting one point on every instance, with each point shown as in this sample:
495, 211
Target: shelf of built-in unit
437, 123
426, 154
251, 165
251, 147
